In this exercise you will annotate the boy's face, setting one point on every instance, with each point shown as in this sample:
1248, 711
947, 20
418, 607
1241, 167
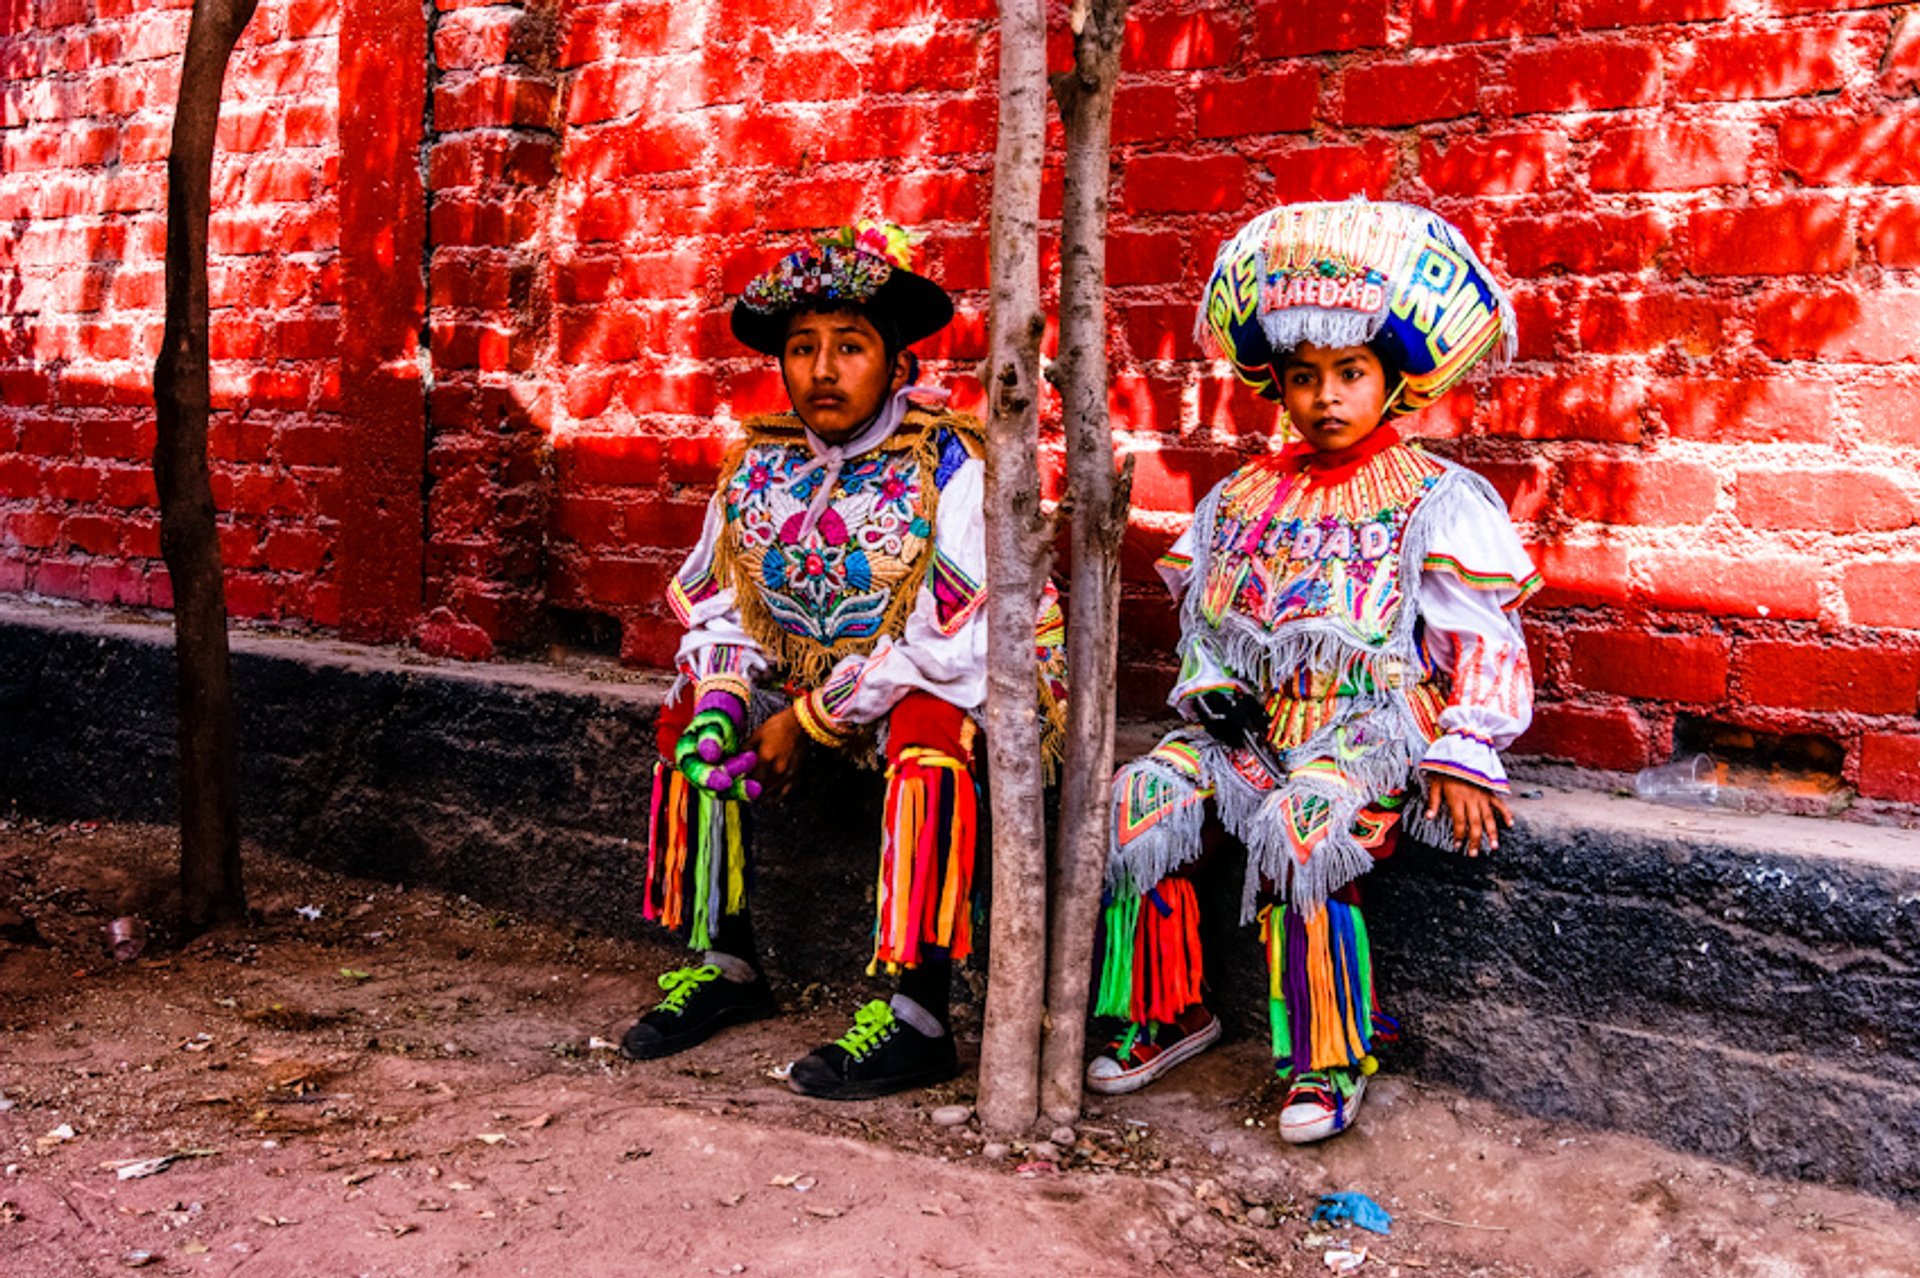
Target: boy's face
1334, 395
836, 370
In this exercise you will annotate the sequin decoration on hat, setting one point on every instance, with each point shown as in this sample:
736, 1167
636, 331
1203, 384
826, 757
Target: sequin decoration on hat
1350, 273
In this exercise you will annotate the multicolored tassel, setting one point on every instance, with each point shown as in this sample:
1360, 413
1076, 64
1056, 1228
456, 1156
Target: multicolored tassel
925, 892
1320, 991
1151, 967
696, 857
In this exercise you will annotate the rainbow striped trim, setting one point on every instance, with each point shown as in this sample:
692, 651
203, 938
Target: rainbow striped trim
1460, 772
1523, 586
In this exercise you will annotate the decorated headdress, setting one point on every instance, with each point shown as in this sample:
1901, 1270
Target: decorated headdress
868, 265
1394, 276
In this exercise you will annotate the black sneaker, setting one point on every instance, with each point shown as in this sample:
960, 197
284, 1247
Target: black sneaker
698, 1002
880, 1055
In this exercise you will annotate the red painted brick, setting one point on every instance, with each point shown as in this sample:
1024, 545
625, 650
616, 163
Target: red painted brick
1671, 157
1890, 766
1883, 593
1582, 75
941, 61
1744, 65
1626, 323
1143, 257
1654, 667
1288, 30
1152, 113
1632, 13
1160, 330
1179, 41
1837, 324
1450, 22
1900, 68
1890, 415
1891, 230
1523, 485
1761, 410
1600, 406
1406, 91
1185, 184
625, 581
1497, 164
1267, 102
1881, 150
1582, 243
1175, 479
1615, 738
1816, 675
1797, 235
1782, 587
1842, 501
1329, 172
1630, 491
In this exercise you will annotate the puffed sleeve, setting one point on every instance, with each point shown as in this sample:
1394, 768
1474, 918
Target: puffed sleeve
942, 649
716, 649
1475, 575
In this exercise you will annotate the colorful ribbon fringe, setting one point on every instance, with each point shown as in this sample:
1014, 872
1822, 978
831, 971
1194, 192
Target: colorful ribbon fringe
925, 892
1151, 968
1320, 988
696, 857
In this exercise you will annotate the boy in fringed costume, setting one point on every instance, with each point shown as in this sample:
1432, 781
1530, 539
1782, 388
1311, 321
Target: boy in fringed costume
1350, 663
834, 600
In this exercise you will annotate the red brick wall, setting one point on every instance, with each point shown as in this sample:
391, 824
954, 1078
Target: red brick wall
1710, 216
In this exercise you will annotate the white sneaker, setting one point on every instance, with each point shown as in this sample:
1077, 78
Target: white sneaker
1321, 1103
1132, 1060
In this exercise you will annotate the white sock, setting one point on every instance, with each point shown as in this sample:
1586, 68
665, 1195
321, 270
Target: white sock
917, 1016
737, 970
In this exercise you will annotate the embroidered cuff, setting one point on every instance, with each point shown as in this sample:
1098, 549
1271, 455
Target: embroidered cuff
1467, 756
815, 721
733, 683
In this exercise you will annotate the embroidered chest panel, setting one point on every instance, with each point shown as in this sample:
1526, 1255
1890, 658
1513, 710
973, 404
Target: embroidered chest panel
814, 594
1284, 549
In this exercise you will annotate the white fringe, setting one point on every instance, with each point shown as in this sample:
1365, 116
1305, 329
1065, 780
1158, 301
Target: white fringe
1173, 842
1395, 742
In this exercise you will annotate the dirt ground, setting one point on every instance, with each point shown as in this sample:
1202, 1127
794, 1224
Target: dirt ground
375, 1080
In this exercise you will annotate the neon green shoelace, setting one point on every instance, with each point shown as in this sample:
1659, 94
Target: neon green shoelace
871, 1025
1123, 1051
682, 983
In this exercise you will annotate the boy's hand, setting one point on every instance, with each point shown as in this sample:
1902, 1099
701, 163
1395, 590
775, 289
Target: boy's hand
1477, 812
781, 744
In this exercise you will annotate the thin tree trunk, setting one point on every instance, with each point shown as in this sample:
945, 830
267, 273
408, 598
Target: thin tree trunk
1085, 96
209, 788
1016, 549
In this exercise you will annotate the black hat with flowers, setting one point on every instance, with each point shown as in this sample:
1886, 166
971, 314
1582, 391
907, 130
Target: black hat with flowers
867, 267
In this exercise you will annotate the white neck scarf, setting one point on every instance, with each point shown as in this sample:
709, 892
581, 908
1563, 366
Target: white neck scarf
829, 458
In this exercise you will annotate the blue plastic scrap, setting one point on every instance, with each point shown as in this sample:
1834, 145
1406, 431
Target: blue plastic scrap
1353, 1208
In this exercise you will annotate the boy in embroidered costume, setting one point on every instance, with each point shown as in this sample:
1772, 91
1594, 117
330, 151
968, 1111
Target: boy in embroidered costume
1349, 660
836, 591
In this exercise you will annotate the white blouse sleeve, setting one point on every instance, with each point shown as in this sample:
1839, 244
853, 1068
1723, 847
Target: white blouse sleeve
1475, 575
715, 643
942, 649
